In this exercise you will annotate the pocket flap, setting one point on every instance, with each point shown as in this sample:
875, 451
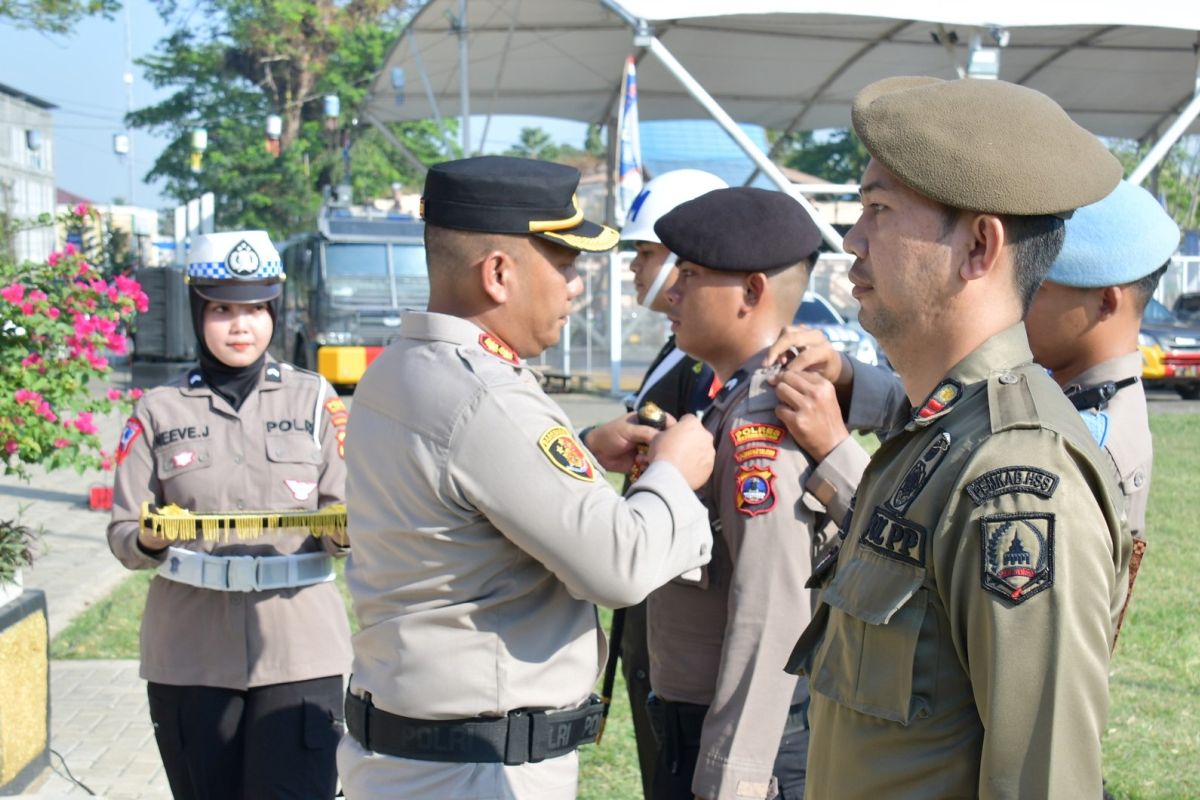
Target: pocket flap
294, 449
872, 588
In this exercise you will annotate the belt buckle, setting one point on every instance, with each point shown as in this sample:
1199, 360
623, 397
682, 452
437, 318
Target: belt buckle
243, 573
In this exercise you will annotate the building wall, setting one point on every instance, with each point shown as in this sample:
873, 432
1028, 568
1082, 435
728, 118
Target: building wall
27, 175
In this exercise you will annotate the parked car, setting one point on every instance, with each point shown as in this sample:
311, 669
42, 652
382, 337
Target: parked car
1187, 306
1170, 351
847, 337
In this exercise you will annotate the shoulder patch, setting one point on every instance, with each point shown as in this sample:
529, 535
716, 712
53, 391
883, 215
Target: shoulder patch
1018, 555
1008, 480
756, 451
565, 453
133, 429
757, 432
499, 349
338, 415
755, 491
919, 473
894, 536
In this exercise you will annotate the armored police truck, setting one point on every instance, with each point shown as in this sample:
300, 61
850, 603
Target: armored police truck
347, 284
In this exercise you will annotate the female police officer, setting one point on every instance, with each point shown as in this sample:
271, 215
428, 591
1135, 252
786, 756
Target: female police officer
244, 639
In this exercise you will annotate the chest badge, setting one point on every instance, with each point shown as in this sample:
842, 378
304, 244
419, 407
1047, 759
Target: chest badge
301, 490
1018, 555
565, 453
498, 348
183, 459
755, 491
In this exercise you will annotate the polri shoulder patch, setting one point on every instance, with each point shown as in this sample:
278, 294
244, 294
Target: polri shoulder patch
1018, 555
133, 429
757, 432
756, 451
338, 415
755, 491
565, 453
1008, 480
499, 349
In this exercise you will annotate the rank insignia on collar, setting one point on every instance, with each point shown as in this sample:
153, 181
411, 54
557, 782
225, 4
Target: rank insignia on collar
273, 373
195, 378
565, 453
757, 432
498, 348
944, 396
1018, 555
755, 491
132, 430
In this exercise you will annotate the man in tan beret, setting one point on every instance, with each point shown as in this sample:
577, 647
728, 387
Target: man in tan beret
962, 644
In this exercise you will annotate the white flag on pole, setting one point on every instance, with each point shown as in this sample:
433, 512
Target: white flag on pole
629, 146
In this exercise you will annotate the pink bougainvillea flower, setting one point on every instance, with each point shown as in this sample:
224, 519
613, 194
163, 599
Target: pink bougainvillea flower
11, 447
60, 443
114, 394
26, 396
27, 309
54, 258
52, 312
31, 360
13, 293
81, 209
134, 394
37, 296
97, 361
70, 249
84, 423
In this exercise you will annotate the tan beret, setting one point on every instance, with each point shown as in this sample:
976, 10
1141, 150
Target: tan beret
983, 145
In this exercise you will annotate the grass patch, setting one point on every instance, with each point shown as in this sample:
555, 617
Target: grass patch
1152, 744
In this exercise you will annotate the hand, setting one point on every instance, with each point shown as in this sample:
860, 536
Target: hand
808, 405
615, 442
802, 348
689, 447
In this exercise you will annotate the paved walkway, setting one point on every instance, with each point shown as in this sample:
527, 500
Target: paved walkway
99, 722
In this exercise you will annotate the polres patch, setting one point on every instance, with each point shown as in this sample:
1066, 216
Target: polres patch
758, 451
756, 432
1018, 555
133, 429
1008, 480
565, 453
755, 491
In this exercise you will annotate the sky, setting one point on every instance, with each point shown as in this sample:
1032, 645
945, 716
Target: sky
82, 73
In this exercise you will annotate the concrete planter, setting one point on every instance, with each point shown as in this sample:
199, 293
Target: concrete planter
24, 691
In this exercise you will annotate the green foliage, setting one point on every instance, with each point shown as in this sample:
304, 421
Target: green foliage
838, 158
250, 60
55, 16
16, 547
1176, 180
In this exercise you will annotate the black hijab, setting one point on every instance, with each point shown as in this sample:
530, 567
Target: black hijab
233, 383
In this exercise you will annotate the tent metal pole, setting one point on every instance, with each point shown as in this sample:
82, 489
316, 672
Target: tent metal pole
1160, 148
615, 333
764, 164
433, 105
396, 143
464, 78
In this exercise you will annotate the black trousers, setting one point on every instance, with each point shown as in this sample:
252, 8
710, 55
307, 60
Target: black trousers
635, 666
265, 743
680, 725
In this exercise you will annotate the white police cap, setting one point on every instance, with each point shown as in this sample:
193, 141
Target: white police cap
235, 267
1115, 241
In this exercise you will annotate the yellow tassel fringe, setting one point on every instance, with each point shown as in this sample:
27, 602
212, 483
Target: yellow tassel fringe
178, 524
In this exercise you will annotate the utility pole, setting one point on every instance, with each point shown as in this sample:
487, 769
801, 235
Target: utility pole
128, 78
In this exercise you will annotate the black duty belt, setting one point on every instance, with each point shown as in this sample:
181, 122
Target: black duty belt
519, 738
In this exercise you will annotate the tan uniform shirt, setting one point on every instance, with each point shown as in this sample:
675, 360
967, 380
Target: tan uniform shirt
723, 641
483, 533
186, 445
966, 633
1125, 432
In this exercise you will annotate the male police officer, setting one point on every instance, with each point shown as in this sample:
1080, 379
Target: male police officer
961, 648
731, 721
487, 531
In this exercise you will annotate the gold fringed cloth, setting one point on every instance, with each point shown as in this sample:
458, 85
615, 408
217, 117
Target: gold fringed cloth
177, 524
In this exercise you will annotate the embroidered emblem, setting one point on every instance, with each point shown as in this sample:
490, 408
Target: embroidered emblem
755, 491
498, 348
341, 440
175, 565
756, 432
242, 260
1008, 480
300, 489
919, 473
338, 414
1018, 555
562, 450
273, 373
183, 459
758, 451
894, 536
129, 434
944, 396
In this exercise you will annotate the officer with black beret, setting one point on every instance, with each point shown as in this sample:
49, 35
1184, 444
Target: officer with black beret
485, 533
732, 723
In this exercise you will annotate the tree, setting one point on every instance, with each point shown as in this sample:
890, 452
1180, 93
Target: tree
838, 158
252, 59
534, 143
1175, 181
55, 16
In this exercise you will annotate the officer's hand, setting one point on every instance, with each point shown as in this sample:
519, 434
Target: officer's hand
689, 447
802, 348
615, 443
808, 405
151, 543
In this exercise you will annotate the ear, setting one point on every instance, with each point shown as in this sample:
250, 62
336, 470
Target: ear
987, 242
497, 275
1111, 300
754, 288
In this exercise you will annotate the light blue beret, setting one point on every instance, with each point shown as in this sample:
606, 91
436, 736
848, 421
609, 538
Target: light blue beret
1117, 240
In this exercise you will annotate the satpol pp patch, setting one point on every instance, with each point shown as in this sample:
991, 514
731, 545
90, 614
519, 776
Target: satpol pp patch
133, 429
755, 491
1018, 555
565, 453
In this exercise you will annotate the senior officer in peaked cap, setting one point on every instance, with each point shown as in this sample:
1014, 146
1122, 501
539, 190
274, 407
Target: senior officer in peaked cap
487, 531
730, 721
244, 639
962, 643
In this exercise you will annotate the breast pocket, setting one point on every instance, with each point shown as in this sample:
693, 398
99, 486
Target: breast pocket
182, 459
295, 464
869, 655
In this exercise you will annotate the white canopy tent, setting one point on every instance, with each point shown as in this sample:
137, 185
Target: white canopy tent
1120, 69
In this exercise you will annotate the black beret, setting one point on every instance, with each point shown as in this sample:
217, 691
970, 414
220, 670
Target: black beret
499, 194
741, 229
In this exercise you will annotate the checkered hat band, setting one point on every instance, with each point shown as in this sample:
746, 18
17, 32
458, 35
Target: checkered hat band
218, 271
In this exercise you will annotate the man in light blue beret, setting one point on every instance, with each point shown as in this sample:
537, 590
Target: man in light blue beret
1084, 320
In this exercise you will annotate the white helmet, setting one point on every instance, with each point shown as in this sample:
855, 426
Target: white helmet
661, 195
